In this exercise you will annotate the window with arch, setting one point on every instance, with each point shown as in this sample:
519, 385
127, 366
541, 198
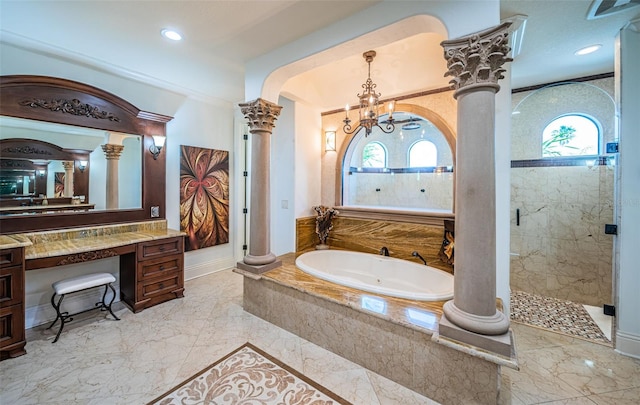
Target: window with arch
571, 135
423, 154
374, 154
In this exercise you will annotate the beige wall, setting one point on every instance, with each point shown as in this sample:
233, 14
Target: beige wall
560, 249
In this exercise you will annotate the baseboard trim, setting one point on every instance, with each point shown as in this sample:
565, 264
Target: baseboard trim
628, 344
209, 267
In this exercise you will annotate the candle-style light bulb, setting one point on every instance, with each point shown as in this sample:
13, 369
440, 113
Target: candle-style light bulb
392, 106
346, 110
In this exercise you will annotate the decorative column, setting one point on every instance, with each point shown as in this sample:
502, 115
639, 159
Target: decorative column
475, 62
68, 166
112, 153
261, 115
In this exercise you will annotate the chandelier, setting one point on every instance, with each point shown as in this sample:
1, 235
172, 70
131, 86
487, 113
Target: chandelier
368, 111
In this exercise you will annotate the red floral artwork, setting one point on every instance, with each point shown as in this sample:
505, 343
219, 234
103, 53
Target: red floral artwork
204, 196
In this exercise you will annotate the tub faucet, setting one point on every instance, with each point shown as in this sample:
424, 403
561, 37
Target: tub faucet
416, 254
384, 251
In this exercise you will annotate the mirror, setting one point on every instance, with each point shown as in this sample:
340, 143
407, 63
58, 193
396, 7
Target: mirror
45, 101
32, 182
410, 168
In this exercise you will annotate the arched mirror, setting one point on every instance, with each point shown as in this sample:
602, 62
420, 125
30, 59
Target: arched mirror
410, 168
74, 155
46, 167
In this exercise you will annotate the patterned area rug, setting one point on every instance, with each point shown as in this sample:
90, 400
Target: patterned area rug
560, 316
249, 376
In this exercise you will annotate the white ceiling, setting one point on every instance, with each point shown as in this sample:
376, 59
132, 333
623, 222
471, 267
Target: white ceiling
221, 36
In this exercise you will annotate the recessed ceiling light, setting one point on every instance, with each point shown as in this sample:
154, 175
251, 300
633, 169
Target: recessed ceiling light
171, 34
587, 50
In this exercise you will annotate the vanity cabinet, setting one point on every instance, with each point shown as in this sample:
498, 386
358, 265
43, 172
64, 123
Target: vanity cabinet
154, 275
12, 334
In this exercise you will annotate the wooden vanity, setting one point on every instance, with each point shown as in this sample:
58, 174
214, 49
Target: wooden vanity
151, 267
151, 256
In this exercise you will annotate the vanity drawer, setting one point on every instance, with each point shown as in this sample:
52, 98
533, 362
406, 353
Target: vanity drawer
153, 287
159, 266
11, 286
11, 257
160, 247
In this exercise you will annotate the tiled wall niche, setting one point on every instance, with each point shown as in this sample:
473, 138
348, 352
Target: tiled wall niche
559, 249
368, 235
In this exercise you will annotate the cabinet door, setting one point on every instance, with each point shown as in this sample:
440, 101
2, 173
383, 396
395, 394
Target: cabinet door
11, 286
11, 325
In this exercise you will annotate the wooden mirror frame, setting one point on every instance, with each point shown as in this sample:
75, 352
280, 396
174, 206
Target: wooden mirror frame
62, 101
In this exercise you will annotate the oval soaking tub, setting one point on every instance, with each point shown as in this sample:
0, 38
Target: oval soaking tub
378, 274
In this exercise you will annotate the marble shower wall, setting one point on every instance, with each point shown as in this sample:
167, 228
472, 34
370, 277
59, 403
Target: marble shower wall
560, 249
366, 235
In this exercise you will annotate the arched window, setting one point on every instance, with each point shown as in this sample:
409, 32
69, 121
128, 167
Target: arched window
571, 135
423, 154
374, 154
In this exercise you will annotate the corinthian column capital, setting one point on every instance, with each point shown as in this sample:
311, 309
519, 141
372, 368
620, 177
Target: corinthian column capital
477, 59
111, 151
68, 165
261, 114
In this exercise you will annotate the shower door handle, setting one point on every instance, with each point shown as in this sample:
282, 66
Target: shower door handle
517, 216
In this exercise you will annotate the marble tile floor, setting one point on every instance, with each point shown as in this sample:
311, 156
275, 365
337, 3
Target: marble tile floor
603, 321
99, 361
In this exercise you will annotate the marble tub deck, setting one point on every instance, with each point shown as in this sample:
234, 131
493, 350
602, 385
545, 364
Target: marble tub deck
422, 316
393, 337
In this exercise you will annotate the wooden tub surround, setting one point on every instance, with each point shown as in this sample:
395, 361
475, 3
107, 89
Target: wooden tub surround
151, 267
394, 337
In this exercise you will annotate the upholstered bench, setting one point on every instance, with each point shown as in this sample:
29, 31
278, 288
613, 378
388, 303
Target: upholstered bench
77, 284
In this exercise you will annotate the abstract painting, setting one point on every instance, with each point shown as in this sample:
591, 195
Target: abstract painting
59, 184
204, 196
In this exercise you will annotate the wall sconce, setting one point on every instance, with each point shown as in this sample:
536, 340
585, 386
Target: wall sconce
41, 172
329, 141
158, 143
82, 165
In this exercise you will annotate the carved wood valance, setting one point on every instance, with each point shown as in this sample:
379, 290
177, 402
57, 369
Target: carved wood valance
31, 149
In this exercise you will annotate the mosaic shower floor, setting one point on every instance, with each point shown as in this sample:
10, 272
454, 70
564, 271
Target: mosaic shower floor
560, 316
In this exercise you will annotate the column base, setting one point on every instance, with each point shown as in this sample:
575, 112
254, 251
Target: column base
252, 260
496, 324
259, 269
500, 344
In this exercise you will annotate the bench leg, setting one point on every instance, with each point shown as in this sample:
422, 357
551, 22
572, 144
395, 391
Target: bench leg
59, 315
103, 305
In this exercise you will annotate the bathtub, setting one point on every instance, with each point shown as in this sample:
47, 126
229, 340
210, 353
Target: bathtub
378, 274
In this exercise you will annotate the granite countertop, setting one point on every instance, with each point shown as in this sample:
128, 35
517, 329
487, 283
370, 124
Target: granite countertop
62, 242
11, 241
91, 243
